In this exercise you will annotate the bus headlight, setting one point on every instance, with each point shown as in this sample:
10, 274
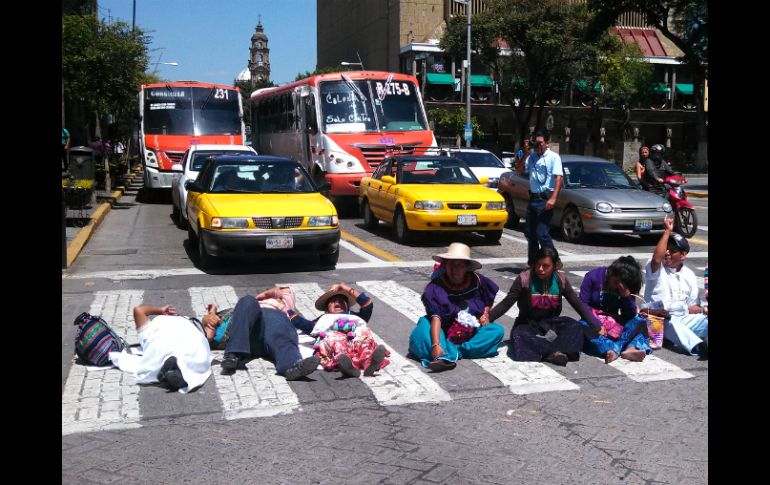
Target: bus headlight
150, 158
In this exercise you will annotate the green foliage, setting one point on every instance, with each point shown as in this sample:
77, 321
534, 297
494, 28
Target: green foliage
448, 123
623, 72
103, 64
248, 87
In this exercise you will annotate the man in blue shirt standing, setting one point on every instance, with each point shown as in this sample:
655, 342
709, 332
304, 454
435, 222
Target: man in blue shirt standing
545, 173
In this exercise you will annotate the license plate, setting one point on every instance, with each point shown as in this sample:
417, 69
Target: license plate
466, 220
643, 225
280, 242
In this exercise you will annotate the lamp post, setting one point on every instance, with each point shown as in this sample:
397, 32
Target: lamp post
352, 64
467, 75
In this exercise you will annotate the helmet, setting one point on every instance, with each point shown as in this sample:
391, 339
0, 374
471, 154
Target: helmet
656, 152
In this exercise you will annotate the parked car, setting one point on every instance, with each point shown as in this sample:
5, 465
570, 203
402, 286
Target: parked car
259, 204
597, 198
483, 163
430, 193
188, 169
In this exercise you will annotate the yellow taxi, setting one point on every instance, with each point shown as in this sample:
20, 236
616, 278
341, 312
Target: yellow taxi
430, 193
254, 204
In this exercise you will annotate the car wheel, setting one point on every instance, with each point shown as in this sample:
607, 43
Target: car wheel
513, 219
403, 233
330, 260
191, 237
572, 226
686, 222
205, 260
493, 236
370, 221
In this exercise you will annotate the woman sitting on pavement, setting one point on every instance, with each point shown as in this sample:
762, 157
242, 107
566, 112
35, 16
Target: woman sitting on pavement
610, 291
539, 332
456, 291
343, 339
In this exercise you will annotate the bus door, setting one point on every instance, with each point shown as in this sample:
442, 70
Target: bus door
309, 124
302, 146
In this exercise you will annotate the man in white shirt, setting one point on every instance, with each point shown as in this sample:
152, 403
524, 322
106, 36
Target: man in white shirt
672, 292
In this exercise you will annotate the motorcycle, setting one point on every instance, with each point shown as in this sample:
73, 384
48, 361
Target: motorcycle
685, 219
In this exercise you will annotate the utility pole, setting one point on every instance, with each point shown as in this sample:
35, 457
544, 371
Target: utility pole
468, 78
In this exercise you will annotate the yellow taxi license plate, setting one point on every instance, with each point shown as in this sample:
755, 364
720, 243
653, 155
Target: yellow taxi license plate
466, 220
279, 243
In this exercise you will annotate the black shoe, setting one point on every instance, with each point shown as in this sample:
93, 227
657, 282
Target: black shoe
702, 349
556, 358
346, 366
171, 375
302, 368
439, 365
229, 364
377, 357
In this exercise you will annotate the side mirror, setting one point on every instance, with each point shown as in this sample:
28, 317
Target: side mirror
176, 167
483, 180
389, 179
193, 186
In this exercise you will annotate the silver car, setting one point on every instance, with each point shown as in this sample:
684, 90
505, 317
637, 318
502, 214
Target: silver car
597, 198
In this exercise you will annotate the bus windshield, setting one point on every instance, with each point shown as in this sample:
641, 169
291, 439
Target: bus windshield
174, 110
376, 105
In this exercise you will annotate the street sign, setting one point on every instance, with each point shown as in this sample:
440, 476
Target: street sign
468, 133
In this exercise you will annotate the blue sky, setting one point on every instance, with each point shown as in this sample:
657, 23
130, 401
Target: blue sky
210, 39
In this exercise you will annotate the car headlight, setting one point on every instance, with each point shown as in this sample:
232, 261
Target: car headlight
604, 207
495, 206
322, 221
229, 223
429, 205
666, 207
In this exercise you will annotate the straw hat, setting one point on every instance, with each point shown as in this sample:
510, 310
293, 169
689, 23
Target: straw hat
320, 303
458, 251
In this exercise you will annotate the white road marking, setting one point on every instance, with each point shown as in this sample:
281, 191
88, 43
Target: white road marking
360, 252
401, 382
519, 377
256, 392
704, 228
566, 258
512, 312
650, 369
581, 274
517, 239
104, 398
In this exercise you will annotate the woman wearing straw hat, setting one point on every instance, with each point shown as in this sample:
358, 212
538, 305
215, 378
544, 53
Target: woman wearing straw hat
456, 324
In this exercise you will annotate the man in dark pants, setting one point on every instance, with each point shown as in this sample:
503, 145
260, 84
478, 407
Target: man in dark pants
545, 173
265, 332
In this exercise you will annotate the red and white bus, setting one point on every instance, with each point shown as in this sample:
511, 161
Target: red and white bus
341, 125
175, 115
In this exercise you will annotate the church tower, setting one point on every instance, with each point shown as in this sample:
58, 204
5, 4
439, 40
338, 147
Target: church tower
259, 59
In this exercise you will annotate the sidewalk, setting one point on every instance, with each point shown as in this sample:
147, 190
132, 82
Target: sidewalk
80, 224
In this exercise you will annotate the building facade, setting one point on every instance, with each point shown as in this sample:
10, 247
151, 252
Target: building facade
259, 56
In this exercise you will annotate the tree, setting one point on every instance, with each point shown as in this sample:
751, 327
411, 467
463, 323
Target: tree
246, 88
103, 66
320, 70
683, 22
452, 124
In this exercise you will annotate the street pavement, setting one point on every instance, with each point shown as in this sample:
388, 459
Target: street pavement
487, 421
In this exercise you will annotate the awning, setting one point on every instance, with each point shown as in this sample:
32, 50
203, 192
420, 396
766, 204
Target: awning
481, 80
660, 88
684, 89
582, 85
440, 78
647, 39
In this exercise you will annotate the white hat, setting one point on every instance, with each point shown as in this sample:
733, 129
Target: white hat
458, 251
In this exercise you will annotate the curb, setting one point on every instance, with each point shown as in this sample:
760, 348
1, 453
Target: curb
78, 243
698, 194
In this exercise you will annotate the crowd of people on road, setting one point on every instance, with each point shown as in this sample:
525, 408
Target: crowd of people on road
460, 319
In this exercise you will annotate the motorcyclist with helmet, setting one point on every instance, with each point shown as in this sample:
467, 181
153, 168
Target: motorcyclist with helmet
656, 169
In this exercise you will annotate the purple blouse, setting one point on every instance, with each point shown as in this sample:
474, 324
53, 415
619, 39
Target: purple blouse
444, 302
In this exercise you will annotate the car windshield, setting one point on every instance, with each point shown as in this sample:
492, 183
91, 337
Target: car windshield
592, 174
261, 178
200, 156
438, 171
479, 159
349, 106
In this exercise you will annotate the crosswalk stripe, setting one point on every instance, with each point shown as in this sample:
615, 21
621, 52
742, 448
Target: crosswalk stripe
256, 392
401, 382
99, 398
650, 369
519, 377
